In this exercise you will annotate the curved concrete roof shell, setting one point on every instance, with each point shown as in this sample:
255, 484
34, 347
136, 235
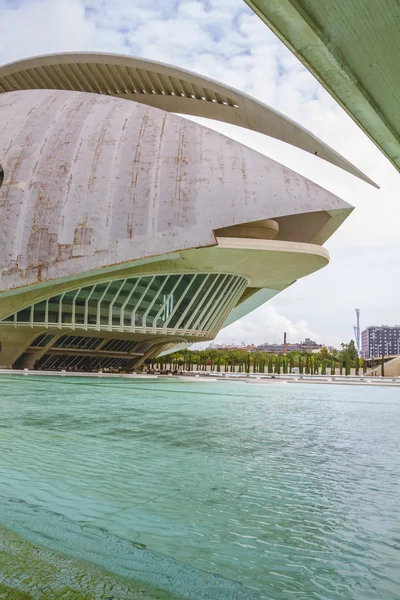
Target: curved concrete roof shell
92, 182
352, 48
166, 87
125, 230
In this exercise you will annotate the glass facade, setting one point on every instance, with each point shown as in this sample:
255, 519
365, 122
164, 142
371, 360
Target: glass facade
56, 362
42, 341
186, 303
77, 342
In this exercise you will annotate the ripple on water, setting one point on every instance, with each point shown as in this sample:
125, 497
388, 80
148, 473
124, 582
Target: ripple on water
205, 490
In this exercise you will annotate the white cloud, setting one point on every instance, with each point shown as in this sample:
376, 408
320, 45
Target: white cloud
224, 40
266, 324
30, 28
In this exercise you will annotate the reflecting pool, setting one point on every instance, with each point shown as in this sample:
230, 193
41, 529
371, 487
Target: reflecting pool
119, 488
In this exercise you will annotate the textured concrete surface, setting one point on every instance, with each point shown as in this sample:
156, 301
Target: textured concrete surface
353, 49
392, 368
29, 572
91, 182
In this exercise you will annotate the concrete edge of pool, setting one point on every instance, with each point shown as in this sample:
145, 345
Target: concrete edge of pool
238, 378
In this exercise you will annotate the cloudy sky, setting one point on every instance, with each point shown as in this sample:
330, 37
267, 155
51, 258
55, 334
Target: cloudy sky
224, 40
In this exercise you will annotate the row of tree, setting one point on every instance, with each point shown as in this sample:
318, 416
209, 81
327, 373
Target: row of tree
242, 361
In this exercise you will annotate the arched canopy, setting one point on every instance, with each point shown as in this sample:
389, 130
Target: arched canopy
165, 87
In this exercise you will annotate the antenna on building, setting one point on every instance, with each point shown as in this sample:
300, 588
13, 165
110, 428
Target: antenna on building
357, 332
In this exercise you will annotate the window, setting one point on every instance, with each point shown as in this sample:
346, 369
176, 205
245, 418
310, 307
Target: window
42, 341
115, 345
77, 342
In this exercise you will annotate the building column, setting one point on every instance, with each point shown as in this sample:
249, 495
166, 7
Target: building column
14, 342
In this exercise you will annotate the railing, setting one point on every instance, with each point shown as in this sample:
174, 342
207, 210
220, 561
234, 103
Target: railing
194, 305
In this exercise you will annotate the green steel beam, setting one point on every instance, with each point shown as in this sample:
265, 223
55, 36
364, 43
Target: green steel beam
352, 48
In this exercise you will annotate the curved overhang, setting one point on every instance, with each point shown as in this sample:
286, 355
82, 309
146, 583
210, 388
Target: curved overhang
165, 87
267, 264
352, 49
139, 312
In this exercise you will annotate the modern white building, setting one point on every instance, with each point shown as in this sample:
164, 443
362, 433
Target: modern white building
127, 230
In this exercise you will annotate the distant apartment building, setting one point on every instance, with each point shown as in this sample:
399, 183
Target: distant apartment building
378, 340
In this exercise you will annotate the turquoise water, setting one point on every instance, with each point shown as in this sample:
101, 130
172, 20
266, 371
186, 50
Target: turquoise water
211, 490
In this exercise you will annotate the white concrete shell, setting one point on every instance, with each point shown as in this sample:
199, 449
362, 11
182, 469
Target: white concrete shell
108, 209
352, 48
166, 87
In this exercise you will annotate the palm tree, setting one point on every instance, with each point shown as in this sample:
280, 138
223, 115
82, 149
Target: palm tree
357, 366
312, 364
284, 364
348, 363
